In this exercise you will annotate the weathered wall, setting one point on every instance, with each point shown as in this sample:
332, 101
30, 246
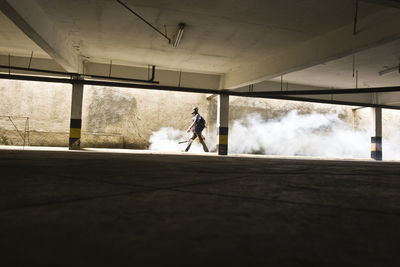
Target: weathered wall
126, 118
112, 117
133, 114
46, 105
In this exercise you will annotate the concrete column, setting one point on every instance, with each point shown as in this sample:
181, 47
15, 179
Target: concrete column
376, 138
76, 117
223, 124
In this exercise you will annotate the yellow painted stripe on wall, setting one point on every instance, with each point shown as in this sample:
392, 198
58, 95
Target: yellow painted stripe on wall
75, 132
222, 139
373, 147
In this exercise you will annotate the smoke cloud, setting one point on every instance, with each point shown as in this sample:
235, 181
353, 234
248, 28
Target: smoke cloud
168, 138
314, 134
391, 146
322, 135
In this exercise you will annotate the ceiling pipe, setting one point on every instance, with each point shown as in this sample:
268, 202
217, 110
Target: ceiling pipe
70, 74
355, 18
153, 71
145, 21
389, 70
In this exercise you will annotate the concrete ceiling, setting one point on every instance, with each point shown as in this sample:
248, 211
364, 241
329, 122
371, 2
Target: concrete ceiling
366, 66
219, 36
13, 41
309, 42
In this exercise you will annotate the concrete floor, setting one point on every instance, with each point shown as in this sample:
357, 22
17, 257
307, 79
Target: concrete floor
60, 208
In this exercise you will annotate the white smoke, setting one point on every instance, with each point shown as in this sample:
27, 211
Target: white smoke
391, 146
314, 134
168, 138
322, 135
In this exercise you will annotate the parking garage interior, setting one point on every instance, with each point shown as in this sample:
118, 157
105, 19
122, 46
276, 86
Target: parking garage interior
301, 100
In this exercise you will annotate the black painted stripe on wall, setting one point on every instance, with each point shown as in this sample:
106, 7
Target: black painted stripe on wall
76, 123
376, 139
223, 131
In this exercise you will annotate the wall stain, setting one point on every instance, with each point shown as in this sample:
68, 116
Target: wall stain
108, 108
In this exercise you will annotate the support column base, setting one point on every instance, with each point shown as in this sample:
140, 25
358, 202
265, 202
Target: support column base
74, 143
222, 139
222, 150
75, 134
376, 148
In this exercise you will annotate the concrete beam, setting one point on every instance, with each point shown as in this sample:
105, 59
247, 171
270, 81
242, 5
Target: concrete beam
163, 76
374, 30
33, 21
383, 98
389, 98
25, 62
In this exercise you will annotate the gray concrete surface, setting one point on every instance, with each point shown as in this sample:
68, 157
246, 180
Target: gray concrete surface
60, 208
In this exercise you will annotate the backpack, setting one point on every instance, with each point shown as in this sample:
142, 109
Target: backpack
202, 123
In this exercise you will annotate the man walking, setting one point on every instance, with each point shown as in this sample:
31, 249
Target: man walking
196, 127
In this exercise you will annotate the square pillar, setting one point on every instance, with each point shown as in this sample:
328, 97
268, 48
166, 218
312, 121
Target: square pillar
76, 117
222, 124
376, 136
